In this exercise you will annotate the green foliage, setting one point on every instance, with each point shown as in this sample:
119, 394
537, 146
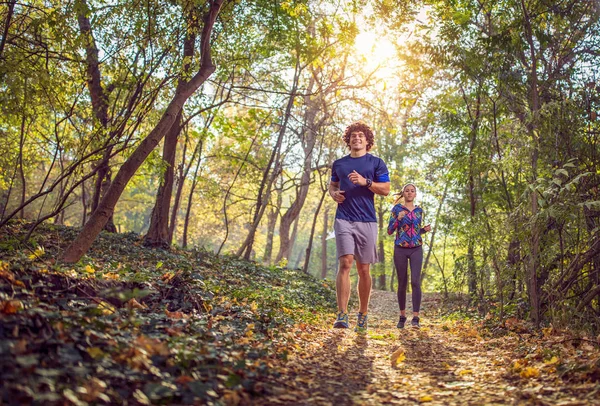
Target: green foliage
181, 326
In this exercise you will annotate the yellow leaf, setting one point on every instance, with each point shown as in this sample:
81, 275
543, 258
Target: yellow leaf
38, 253
465, 372
530, 372
519, 364
106, 308
398, 356
253, 306
95, 352
552, 361
111, 275
89, 269
425, 399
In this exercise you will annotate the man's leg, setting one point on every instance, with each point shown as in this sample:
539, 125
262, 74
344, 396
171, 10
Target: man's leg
342, 282
364, 286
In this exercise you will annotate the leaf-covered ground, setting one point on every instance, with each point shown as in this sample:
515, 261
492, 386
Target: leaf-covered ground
130, 324
138, 326
443, 363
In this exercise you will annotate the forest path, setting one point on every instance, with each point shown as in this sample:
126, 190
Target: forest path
443, 363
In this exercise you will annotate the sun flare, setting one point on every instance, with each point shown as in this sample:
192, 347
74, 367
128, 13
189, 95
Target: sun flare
375, 52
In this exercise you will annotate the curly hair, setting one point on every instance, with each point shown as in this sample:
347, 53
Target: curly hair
366, 130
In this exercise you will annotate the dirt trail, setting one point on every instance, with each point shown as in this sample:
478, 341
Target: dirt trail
443, 363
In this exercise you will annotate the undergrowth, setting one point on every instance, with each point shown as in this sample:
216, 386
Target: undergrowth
131, 324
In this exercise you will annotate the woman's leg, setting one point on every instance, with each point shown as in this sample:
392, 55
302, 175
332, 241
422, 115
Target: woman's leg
416, 263
401, 263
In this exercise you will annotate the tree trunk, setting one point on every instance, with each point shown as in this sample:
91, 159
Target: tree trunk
532, 126
290, 216
294, 234
158, 232
106, 208
99, 105
159, 235
312, 231
21, 171
226, 198
269, 175
179, 190
84, 204
9, 15
432, 239
471, 264
271, 222
308, 141
298, 259
184, 239
324, 243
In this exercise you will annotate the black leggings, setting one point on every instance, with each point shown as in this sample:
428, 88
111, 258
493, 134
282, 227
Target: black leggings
401, 258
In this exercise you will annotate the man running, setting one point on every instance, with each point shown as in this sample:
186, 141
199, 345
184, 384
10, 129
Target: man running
355, 179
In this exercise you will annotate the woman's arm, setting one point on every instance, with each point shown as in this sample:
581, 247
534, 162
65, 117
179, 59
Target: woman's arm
425, 229
394, 222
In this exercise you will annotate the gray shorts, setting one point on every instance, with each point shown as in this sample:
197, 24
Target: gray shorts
358, 239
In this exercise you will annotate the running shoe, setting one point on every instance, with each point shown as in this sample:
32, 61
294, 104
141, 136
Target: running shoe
415, 322
361, 324
341, 321
402, 322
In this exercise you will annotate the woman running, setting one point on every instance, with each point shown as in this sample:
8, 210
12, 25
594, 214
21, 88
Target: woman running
406, 221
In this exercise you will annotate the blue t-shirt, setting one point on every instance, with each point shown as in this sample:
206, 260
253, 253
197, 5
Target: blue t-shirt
360, 203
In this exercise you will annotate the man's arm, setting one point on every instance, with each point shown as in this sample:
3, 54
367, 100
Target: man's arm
335, 192
379, 188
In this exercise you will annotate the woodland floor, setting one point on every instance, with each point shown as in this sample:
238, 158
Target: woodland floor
442, 363
131, 325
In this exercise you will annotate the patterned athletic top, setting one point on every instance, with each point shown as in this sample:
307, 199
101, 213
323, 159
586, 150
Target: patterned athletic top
408, 229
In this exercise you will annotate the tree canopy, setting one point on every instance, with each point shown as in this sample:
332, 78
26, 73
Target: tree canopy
214, 124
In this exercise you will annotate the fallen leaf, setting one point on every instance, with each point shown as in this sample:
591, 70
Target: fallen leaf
95, 352
134, 304
106, 308
173, 332
184, 379
11, 306
398, 356
530, 372
425, 399
177, 315
152, 346
111, 276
